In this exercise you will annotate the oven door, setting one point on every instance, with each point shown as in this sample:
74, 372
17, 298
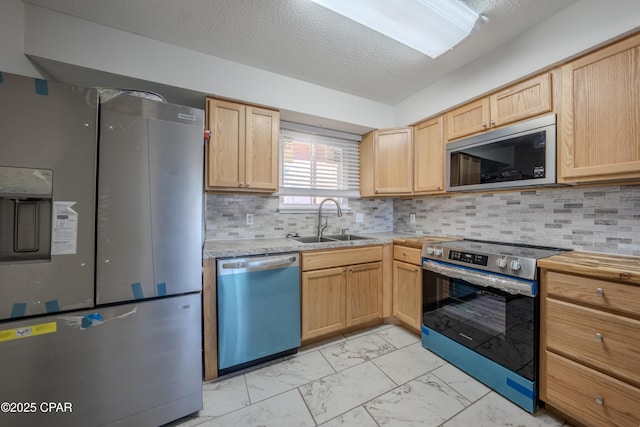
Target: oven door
492, 315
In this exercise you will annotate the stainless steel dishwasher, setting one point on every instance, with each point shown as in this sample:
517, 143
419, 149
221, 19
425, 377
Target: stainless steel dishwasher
258, 309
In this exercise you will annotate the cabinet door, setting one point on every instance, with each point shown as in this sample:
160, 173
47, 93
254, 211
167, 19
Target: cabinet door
469, 119
393, 161
521, 101
323, 302
262, 148
428, 158
407, 293
599, 119
226, 149
364, 293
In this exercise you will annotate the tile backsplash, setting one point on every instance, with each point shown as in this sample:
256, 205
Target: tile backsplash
600, 219
226, 218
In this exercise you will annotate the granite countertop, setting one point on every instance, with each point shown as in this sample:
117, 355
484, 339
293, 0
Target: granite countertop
600, 265
234, 248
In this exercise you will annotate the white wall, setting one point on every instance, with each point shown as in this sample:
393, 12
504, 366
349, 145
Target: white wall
12, 59
584, 24
58, 37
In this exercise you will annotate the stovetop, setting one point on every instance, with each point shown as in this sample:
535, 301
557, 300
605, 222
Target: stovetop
516, 260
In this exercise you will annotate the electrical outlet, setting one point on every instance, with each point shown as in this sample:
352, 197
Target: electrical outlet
249, 219
412, 218
359, 217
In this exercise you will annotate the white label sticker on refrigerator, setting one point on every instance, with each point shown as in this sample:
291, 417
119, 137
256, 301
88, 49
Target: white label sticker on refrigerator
64, 229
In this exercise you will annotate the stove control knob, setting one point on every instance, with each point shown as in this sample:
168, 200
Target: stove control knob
501, 262
429, 250
515, 265
437, 252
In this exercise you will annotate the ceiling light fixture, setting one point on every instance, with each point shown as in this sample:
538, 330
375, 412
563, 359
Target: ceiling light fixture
429, 26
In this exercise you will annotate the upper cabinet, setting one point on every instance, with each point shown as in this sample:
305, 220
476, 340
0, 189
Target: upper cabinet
518, 102
242, 155
428, 157
403, 161
599, 117
386, 162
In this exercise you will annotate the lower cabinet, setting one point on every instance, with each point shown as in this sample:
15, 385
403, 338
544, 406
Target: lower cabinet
589, 338
407, 286
341, 289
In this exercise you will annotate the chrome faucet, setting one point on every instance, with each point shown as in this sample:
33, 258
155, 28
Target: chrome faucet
322, 226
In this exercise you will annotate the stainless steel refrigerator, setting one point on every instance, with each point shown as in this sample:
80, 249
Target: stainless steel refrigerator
101, 207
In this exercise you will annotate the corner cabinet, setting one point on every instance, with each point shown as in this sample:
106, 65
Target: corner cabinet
589, 338
386, 162
341, 290
242, 154
403, 161
521, 101
428, 157
599, 117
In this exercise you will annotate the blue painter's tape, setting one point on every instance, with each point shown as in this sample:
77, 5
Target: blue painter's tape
87, 321
520, 388
52, 306
161, 289
136, 288
425, 330
18, 309
42, 87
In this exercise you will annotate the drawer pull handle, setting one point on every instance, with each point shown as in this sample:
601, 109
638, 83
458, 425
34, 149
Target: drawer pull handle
599, 292
599, 337
599, 400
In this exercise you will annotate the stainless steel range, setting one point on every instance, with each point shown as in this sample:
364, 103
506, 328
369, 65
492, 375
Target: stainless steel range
480, 312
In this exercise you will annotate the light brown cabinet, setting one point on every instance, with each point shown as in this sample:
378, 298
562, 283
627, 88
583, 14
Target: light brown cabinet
407, 286
386, 162
521, 101
599, 117
590, 332
242, 155
341, 289
428, 157
403, 161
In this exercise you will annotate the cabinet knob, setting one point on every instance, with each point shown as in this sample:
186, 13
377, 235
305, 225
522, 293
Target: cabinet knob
345, 269
599, 292
493, 123
415, 270
599, 400
484, 125
240, 184
248, 184
599, 337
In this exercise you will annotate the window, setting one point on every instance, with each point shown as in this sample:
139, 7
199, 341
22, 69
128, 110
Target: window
314, 166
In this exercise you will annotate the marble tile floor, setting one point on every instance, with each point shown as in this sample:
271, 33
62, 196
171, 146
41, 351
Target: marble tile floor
377, 377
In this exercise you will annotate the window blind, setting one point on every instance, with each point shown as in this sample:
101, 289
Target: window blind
318, 165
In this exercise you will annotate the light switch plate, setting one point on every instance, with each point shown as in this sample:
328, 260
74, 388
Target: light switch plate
359, 217
412, 218
249, 219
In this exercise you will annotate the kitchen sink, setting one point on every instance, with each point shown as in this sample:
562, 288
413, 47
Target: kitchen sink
313, 239
346, 237
329, 238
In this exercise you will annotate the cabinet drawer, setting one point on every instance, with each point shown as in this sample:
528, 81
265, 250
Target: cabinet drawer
405, 254
315, 260
589, 396
603, 340
613, 296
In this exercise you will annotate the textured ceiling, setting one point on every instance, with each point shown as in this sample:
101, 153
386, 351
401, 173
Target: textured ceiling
299, 39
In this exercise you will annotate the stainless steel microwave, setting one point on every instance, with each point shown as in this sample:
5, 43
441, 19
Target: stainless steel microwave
522, 155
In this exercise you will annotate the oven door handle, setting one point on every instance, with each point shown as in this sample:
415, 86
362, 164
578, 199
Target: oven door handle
479, 278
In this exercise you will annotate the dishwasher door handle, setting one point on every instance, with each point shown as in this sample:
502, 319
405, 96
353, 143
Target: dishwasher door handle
266, 264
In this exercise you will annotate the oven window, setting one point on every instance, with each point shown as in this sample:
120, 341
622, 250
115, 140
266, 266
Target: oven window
513, 159
496, 324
